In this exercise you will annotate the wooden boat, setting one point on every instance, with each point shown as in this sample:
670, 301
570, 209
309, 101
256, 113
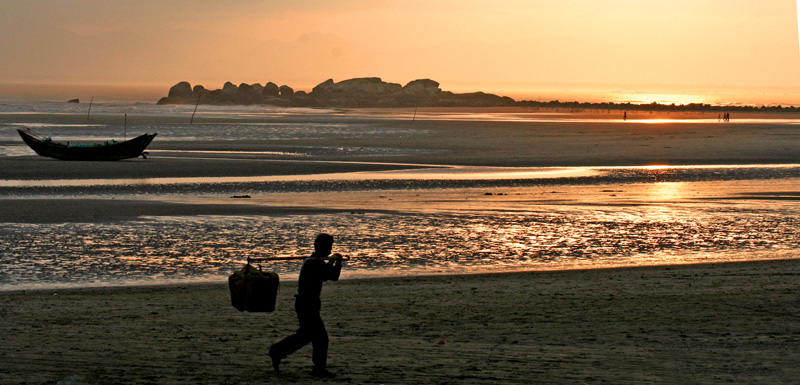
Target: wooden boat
110, 150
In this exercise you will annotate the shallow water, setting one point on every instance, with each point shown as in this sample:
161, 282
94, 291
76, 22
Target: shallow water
431, 232
160, 249
433, 220
181, 132
423, 178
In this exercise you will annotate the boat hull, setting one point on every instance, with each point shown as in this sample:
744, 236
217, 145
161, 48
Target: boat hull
117, 151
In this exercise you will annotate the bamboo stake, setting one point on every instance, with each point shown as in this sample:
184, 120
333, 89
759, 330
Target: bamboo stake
191, 121
90, 108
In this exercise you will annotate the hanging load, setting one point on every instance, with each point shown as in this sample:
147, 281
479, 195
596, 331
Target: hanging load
253, 290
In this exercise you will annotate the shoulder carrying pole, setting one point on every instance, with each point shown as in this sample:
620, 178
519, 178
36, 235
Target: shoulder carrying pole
266, 259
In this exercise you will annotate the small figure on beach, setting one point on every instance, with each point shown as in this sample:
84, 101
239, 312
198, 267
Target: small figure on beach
625, 115
307, 304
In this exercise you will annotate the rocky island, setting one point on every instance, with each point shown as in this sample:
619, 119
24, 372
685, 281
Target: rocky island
353, 93
376, 93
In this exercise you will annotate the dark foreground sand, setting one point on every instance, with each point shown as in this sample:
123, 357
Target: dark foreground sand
723, 323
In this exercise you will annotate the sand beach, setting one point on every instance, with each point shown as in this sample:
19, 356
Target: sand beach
691, 324
704, 323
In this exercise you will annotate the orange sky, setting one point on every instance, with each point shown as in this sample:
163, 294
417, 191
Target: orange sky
500, 46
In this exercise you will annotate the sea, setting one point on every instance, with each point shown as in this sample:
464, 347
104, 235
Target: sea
425, 220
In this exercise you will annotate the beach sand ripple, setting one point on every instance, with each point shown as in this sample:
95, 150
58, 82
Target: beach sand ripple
699, 324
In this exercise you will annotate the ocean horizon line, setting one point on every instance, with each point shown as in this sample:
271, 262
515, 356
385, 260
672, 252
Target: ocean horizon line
639, 96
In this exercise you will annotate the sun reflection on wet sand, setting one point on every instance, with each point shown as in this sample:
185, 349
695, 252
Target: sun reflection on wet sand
429, 232
437, 172
667, 191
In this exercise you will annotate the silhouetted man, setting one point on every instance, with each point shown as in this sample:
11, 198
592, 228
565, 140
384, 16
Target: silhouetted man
307, 304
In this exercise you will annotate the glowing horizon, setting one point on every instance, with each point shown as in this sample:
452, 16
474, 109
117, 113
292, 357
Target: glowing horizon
704, 48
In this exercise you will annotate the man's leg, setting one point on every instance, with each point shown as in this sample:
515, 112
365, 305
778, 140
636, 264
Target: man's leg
319, 342
290, 344
293, 342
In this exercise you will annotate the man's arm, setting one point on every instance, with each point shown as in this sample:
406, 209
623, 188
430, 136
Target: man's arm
334, 268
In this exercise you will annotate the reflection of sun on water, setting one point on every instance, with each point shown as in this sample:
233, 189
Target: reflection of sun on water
667, 191
662, 99
656, 167
657, 121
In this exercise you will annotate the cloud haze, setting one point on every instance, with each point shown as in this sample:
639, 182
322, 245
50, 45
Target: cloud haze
467, 43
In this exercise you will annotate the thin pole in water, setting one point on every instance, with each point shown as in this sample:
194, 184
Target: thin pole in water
191, 121
90, 109
415, 110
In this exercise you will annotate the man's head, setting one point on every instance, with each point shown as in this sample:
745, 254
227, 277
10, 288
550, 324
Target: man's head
323, 244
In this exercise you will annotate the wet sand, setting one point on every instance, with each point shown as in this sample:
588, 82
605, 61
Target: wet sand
692, 324
602, 142
110, 210
605, 142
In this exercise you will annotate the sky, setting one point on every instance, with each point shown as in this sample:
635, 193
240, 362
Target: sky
501, 46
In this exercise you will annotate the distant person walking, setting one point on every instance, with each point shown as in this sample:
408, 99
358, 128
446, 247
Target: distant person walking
625, 115
307, 304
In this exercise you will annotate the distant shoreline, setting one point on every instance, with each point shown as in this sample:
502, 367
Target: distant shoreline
770, 101
373, 92
692, 107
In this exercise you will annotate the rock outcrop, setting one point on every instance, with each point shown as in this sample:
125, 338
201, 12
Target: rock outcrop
358, 92
229, 89
182, 89
286, 91
271, 90
422, 87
